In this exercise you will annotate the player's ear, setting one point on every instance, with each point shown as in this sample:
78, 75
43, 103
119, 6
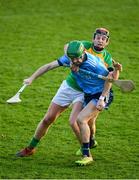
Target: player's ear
65, 48
83, 51
107, 42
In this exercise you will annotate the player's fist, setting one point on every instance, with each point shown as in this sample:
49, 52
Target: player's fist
100, 105
118, 66
74, 68
28, 81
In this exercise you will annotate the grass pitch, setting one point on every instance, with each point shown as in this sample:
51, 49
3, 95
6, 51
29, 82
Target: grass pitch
33, 33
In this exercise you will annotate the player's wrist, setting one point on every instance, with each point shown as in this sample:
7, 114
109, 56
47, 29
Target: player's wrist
117, 69
102, 97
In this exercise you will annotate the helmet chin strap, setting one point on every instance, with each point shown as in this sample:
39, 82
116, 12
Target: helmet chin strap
98, 49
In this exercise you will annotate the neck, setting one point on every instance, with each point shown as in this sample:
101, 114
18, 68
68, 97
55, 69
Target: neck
85, 57
98, 49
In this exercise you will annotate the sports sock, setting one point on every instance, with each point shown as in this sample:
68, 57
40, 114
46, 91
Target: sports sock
33, 143
92, 141
85, 149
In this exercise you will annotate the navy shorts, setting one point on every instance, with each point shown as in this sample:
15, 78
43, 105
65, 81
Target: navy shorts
108, 100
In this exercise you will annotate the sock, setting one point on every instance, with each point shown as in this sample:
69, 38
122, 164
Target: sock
33, 143
92, 141
85, 149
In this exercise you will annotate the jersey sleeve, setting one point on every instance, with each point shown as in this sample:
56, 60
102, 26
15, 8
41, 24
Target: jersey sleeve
87, 44
108, 59
64, 61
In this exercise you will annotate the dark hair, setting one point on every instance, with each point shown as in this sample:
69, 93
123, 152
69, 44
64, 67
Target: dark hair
101, 31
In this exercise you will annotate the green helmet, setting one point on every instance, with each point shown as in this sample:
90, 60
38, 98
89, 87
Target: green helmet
75, 49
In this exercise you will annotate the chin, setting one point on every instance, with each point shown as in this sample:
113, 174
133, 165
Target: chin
99, 48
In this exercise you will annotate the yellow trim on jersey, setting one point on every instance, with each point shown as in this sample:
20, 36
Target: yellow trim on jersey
90, 50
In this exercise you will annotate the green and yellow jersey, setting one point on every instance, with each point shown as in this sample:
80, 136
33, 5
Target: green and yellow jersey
72, 82
104, 55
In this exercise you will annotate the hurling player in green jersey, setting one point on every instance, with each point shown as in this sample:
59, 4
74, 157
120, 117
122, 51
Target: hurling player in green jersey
97, 47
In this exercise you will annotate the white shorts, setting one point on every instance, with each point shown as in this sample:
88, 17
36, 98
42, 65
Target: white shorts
66, 95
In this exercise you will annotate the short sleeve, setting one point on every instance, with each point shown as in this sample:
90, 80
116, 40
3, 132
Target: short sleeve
64, 61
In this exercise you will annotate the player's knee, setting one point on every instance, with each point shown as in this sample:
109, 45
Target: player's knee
72, 121
80, 120
73, 124
49, 119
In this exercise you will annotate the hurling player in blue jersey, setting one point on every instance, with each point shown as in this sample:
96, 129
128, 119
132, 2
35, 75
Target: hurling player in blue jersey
96, 89
68, 93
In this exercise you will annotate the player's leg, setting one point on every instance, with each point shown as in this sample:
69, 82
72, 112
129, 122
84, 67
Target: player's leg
77, 105
76, 108
92, 125
59, 103
93, 143
53, 112
83, 119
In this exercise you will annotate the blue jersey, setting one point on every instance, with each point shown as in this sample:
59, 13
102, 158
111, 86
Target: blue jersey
89, 84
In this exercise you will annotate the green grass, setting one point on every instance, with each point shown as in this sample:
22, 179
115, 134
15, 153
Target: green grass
33, 33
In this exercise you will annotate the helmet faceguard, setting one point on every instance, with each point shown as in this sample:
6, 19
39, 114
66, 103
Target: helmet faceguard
101, 31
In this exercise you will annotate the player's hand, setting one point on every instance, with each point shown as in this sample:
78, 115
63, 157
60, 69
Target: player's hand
74, 68
110, 77
117, 65
28, 81
100, 105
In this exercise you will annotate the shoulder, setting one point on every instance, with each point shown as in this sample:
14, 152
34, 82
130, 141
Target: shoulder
107, 54
91, 56
63, 60
87, 44
107, 58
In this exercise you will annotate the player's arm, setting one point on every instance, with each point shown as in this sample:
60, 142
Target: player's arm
39, 72
114, 67
65, 48
107, 86
62, 61
101, 102
117, 69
